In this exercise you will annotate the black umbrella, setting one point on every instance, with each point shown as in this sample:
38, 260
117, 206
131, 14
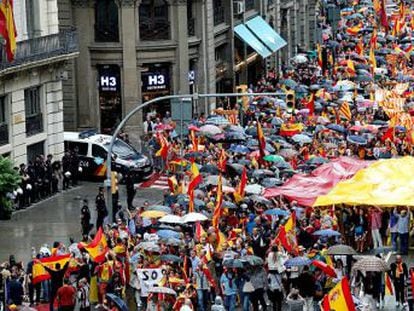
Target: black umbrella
271, 182
210, 169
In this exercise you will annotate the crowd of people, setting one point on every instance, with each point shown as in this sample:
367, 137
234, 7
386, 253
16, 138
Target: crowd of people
216, 243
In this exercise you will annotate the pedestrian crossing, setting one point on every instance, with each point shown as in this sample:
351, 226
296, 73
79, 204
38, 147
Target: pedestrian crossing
157, 181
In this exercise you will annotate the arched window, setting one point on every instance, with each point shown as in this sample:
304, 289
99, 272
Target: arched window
106, 21
154, 20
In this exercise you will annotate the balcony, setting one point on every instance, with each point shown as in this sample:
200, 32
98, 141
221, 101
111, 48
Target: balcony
41, 48
191, 27
218, 15
34, 124
249, 4
4, 134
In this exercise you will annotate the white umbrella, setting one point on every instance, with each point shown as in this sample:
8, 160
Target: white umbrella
171, 219
193, 217
254, 189
210, 129
162, 290
300, 59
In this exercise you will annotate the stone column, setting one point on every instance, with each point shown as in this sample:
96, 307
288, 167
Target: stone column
179, 8
130, 86
87, 111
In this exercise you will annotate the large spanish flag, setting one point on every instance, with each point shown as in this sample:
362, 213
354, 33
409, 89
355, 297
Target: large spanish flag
287, 235
39, 272
98, 248
339, 298
8, 27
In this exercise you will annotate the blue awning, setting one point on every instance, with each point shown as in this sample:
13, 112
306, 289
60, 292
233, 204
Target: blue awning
247, 36
262, 30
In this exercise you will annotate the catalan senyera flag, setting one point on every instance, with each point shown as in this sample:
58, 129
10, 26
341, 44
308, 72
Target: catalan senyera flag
8, 27
389, 288
240, 191
222, 161
98, 248
196, 178
39, 272
339, 298
164, 146
377, 6
397, 27
261, 139
345, 111
287, 235
219, 201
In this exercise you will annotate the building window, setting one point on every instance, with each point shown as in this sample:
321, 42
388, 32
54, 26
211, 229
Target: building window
154, 20
218, 11
190, 18
249, 4
106, 21
4, 126
34, 117
32, 18
35, 150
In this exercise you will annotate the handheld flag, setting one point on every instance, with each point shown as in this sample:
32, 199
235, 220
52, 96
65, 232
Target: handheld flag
311, 104
8, 28
319, 51
39, 272
351, 68
239, 193
222, 161
345, 111
219, 201
261, 139
389, 289
98, 248
287, 235
372, 59
164, 147
339, 298
194, 140
196, 178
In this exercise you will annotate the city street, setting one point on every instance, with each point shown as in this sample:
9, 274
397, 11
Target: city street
55, 219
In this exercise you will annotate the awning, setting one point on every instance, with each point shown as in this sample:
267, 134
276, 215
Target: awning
262, 30
248, 37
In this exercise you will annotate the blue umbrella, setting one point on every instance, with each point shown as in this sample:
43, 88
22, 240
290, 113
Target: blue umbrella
169, 257
357, 140
276, 212
297, 262
336, 128
327, 233
118, 302
165, 234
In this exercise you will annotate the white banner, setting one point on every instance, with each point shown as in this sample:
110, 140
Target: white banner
149, 278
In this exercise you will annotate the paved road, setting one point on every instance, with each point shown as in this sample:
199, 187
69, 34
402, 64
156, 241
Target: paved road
55, 219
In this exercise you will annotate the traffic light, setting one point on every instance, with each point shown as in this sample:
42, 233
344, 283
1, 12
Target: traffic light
243, 101
114, 182
290, 100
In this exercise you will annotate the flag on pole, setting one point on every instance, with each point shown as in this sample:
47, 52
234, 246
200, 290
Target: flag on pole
239, 193
39, 272
196, 178
339, 298
372, 59
353, 31
359, 48
98, 248
219, 201
287, 235
319, 51
261, 139
345, 111
164, 146
8, 27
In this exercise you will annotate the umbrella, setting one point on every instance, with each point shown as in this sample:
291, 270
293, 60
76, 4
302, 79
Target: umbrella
328, 270
210, 129
252, 260
170, 257
193, 155
271, 182
233, 263
160, 208
165, 234
254, 189
193, 217
120, 303
209, 169
228, 204
299, 59
371, 263
237, 168
153, 214
239, 149
261, 173
217, 120
162, 290
213, 180
171, 219
327, 233
290, 83
276, 212
341, 249
297, 262
149, 246
172, 241
301, 139
273, 158
288, 153
357, 140
283, 165
336, 128
316, 161
259, 199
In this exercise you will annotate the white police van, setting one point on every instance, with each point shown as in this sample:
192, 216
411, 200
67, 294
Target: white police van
92, 150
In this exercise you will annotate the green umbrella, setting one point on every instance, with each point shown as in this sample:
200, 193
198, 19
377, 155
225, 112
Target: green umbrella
274, 158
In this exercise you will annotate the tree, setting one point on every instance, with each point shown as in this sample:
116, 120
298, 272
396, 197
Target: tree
9, 181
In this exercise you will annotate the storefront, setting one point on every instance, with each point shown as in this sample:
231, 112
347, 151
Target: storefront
110, 104
156, 80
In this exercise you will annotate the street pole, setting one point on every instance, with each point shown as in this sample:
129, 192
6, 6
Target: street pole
107, 183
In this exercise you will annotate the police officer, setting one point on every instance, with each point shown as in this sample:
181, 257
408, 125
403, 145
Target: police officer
100, 208
85, 218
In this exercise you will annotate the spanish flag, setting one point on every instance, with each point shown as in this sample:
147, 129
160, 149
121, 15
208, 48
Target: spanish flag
191, 201
196, 178
173, 184
353, 31
164, 146
290, 129
311, 104
345, 111
350, 68
389, 289
98, 248
261, 139
219, 201
372, 58
339, 298
222, 161
199, 232
8, 27
239, 193
287, 235
319, 51
373, 42
359, 48
39, 272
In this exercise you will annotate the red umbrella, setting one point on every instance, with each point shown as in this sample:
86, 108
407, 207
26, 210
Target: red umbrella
329, 271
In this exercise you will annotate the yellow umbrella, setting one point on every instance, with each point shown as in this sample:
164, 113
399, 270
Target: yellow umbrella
153, 214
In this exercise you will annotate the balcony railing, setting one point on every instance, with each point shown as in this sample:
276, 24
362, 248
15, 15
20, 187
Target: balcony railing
191, 26
218, 15
41, 48
249, 4
4, 134
34, 124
